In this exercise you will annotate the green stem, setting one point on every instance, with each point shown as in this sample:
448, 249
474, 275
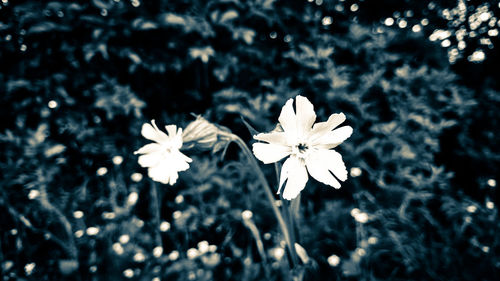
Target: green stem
156, 210
269, 195
260, 245
294, 212
291, 226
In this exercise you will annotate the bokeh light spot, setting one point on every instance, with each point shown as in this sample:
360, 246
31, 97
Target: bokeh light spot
333, 260
52, 104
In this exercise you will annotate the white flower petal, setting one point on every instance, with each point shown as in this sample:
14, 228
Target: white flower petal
181, 161
305, 115
163, 173
296, 175
173, 178
334, 162
272, 137
166, 171
283, 174
270, 153
324, 127
150, 160
175, 136
153, 133
171, 130
149, 148
288, 120
333, 138
318, 164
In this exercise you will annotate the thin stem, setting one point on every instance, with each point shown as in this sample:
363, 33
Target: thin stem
294, 211
44, 201
291, 226
156, 210
260, 245
269, 195
70, 249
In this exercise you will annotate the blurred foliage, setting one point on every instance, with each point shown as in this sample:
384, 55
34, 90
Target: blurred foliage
78, 79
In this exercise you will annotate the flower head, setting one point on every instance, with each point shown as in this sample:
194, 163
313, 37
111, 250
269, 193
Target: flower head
200, 133
309, 147
163, 158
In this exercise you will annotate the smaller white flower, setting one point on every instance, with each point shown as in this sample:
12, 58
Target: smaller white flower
163, 158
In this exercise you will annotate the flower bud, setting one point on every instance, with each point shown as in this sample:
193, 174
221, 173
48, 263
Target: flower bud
200, 134
301, 252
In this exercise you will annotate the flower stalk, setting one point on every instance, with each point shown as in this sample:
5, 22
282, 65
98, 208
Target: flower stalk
269, 195
156, 206
248, 222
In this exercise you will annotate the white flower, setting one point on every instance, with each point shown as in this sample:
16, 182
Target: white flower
308, 145
163, 158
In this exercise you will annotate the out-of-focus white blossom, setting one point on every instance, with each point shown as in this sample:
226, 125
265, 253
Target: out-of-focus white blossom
157, 251
211, 260
174, 255
360, 252
356, 172
361, 217
492, 182
137, 177
102, 171
490, 205
355, 212
33, 194
52, 104
212, 248
471, 209
28, 268
129, 273
117, 160
108, 215
192, 253
333, 260
124, 238
117, 247
177, 215
477, 56
277, 253
203, 246
416, 28
164, 226
78, 214
372, 240
308, 145
247, 214
203, 54
92, 231
139, 257
163, 158
179, 199
132, 198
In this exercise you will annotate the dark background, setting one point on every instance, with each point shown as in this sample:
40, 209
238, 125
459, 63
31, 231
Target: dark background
79, 78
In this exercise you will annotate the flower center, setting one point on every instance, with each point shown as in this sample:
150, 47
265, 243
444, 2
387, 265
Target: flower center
167, 148
302, 147
301, 150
